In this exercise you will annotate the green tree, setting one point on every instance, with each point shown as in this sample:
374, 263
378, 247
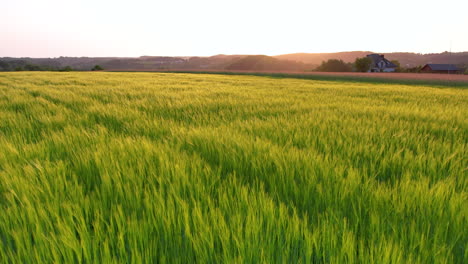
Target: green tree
362, 64
4, 66
397, 63
32, 67
67, 69
97, 68
334, 65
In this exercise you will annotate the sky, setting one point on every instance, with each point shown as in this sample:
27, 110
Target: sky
102, 28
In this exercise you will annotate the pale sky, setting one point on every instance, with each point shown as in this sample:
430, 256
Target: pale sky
99, 28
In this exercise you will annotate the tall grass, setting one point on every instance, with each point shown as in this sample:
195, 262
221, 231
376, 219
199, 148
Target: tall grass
184, 168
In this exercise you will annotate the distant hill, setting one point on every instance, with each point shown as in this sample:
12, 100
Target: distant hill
406, 59
287, 62
317, 58
265, 63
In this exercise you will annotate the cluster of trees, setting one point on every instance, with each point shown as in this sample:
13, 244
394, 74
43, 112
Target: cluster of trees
416, 69
33, 67
333, 65
20, 65
97, 68
360, 65
364, 64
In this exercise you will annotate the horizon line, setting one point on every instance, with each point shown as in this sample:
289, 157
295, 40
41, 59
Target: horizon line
222, 54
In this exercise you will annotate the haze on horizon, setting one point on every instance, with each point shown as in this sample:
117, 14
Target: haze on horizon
53, 28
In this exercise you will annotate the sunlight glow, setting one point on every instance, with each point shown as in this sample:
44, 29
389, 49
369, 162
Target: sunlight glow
52, 28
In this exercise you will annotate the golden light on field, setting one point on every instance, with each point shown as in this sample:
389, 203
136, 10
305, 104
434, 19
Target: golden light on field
207, 27
110, 167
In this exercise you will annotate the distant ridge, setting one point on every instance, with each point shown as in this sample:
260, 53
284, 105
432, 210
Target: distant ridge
292, 62
406, 59
317, 58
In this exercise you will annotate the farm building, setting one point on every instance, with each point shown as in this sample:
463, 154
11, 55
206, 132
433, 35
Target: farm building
441, 68
380, 64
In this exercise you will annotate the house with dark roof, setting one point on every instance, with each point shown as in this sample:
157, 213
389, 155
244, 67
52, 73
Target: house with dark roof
441, 68
381, 64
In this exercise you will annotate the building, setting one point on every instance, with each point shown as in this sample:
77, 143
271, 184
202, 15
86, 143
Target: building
441, 68
380, 64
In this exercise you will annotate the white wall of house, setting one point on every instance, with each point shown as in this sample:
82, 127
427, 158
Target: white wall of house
382, 70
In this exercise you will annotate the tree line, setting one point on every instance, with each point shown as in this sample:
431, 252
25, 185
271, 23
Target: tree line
364, 64
359, 65
20, 65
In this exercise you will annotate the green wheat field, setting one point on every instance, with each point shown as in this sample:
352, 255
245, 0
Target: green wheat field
205, 168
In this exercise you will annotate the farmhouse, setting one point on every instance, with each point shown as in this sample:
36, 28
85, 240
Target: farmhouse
380, 64
441, 68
